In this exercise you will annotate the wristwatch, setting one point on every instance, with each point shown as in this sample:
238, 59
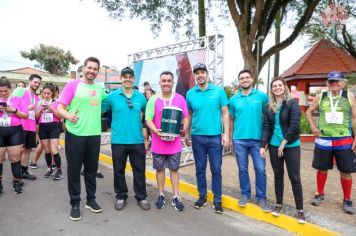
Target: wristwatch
15, 111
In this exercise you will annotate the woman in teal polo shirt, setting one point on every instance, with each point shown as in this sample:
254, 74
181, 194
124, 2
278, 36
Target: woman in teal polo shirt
281, 130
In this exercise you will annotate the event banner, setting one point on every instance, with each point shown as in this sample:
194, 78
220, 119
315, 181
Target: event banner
181, 65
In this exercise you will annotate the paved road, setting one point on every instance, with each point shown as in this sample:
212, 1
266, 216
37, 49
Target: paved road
43, 209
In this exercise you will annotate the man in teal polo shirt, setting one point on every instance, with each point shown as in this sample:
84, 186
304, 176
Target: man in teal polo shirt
246, 112
207, 105
127, 106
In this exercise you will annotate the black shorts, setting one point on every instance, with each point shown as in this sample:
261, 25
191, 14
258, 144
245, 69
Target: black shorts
49, 130
323, 158
29, 139
11, 136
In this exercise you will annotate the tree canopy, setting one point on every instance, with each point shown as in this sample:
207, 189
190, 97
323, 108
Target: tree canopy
50, 58
253, 20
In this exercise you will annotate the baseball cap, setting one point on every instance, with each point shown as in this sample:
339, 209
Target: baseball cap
199, 66
127, 70
335, 75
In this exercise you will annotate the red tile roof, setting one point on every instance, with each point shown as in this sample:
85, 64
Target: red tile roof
28, 70
322, 58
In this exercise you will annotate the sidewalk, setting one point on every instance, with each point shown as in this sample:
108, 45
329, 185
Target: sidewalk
43, 209
329, 215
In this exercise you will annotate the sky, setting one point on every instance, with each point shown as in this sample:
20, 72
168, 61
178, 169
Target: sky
85, 29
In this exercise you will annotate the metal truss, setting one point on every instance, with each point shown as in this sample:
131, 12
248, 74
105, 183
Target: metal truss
214, 46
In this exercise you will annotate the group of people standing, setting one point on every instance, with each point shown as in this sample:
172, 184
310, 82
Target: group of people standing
250, 122
22, 115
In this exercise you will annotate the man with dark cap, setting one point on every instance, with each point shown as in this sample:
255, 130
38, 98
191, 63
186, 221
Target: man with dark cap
335, 136
127, 106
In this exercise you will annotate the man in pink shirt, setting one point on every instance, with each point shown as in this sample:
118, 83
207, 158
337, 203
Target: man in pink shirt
30, 99
166, 153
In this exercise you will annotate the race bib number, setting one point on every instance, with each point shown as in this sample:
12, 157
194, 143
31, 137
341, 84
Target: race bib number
47, 117
5, 121
31, 115
334, 117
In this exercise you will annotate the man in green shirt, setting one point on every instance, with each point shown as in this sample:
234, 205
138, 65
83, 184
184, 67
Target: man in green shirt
80, 106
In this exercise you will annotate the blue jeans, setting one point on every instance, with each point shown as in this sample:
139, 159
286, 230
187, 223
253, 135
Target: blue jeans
205, 147
242, 149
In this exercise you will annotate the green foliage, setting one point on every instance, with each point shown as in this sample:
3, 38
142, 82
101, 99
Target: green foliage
52, 59
229, 90
304, 125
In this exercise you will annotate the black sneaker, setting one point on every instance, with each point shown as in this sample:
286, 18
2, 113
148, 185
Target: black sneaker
99, 175
160, 202
277, 210
21, 183
200, 203
28, 175
17, 187
93, 206
75, 213
33, 165
300, 217
178, 205
49, 173
58, 175
217, 208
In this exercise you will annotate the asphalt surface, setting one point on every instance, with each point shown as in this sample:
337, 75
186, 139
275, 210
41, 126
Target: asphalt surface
43, 209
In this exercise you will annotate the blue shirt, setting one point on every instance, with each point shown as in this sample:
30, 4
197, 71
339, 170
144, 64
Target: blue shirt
205, 106
277, 136
126, 127
247, 111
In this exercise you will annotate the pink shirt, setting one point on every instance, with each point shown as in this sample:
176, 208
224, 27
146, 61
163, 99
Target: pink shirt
46, 116
30, 123
17, 103
160, 146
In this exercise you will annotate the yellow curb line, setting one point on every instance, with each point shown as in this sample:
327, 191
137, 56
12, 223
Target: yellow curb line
251, 210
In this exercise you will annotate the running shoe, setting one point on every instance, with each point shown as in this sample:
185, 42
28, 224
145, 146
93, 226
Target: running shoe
28, 175
33, 165
263, 204
347, 205
277, 210
243, 201
93, 206
160, 202
58, 175
200, 203
178, 205
99, 175
301, 217
217, 208
318, 199
17, 187
75, 213
49, 173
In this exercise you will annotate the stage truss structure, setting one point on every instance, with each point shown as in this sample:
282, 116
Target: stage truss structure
214, 46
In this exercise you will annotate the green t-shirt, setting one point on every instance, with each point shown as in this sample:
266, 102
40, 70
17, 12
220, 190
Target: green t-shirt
85, 99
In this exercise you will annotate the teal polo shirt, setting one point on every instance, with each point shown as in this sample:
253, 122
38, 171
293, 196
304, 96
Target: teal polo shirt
126, 126
205, 106
247, 112
277, 136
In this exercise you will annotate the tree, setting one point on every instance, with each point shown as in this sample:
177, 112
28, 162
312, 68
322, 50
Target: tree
252, 19
52, 59
345, 38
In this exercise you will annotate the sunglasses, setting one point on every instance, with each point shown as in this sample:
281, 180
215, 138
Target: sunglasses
129, 103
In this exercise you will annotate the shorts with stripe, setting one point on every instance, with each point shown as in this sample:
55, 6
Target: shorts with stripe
340, 147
